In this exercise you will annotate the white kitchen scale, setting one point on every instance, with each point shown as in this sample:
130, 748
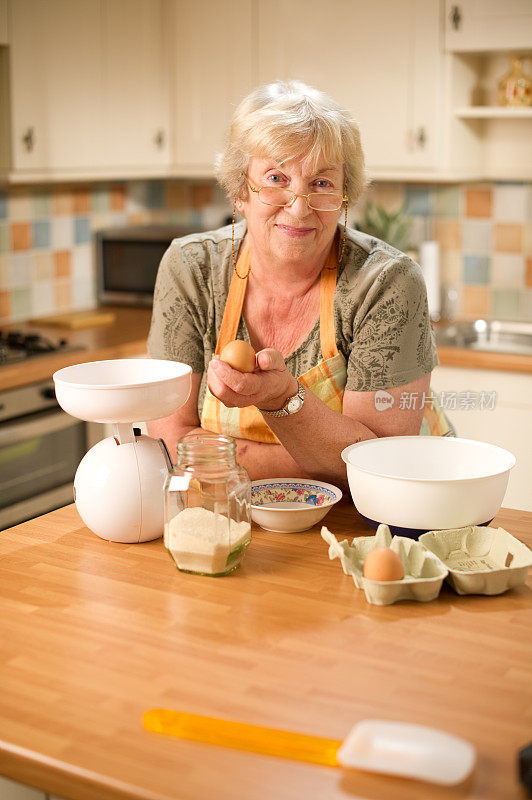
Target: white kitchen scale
118, 487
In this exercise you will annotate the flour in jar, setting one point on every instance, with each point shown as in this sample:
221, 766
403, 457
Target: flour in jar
202, 541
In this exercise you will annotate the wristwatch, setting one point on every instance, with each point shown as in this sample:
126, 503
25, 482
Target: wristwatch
292, 405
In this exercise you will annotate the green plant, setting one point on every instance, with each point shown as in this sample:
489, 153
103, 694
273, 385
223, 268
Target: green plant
393, 228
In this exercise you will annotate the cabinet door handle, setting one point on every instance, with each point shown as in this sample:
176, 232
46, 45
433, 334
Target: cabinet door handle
421, 137
456, 17
29, 139
159, 139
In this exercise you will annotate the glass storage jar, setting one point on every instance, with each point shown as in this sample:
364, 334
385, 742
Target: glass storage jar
207, 524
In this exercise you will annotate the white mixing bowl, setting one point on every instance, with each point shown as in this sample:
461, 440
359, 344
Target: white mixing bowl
123, 389
421, 483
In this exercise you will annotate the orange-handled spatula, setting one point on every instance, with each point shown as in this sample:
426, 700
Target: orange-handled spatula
395, 748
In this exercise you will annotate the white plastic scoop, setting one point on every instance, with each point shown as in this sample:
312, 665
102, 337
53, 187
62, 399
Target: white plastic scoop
393, 748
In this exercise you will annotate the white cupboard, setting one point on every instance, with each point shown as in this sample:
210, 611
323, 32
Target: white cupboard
508, 424
212, 69
381, 60
88, 88
488, 25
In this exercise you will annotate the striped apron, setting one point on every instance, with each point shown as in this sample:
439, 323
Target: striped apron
327, 379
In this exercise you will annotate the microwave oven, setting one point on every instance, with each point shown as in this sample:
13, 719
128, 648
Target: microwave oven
127, 260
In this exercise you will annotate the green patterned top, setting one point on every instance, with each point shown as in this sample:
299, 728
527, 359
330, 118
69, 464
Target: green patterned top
381, 318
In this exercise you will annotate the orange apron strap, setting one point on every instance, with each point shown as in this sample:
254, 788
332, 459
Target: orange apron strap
234, 303
328, 279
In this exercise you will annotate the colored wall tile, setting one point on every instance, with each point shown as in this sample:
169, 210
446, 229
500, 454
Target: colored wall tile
505, 304
82, 268
83, 295
475, 301
525, 306
20, 236
447, 201
177, 194
62, 232
62, 263
201, 195
477, 236
155, 194
41, 205
43, 265
21, 303
418, 200
18, 206
82, 230
5, 272
62, 202
448, 233
478, 202
527, 238
117, 198
509, 202
63, 293
42, 297
20, 266
508, 238
5, 305
508, 269
3, 205
528, 273
42, 234
476, 270
451, 267
136, 196
5, 245
100, 198
81, 203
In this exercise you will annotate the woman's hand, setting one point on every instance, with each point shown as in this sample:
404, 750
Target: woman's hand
267, 388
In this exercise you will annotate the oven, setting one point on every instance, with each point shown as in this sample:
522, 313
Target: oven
40, 449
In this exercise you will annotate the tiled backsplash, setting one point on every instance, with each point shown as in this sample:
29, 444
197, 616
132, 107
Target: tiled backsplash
46, 253
485, 237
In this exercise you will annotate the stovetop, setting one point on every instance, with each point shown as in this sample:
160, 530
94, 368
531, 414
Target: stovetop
16, 346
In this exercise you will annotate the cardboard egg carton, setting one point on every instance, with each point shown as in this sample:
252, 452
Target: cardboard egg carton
424, 571
480, 560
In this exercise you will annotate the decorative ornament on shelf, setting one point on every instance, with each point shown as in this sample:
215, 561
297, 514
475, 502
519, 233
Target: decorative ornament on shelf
515, 88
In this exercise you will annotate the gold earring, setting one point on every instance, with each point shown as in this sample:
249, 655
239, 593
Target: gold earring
342, 243
242, 277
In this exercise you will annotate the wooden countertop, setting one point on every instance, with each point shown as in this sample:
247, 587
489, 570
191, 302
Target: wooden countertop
124, 338
127, 338
94, 633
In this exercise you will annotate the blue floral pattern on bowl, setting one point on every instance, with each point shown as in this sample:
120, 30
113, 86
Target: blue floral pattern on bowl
307, 493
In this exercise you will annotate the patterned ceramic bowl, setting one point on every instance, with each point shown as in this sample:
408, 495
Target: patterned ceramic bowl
291, 505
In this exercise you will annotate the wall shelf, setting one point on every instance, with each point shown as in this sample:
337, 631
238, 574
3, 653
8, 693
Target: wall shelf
493, 112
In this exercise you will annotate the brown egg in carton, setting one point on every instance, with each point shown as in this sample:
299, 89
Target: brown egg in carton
424, 572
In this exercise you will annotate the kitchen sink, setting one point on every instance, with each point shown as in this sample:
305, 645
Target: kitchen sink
491, 335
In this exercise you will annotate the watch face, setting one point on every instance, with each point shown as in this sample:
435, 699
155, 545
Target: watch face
294, 404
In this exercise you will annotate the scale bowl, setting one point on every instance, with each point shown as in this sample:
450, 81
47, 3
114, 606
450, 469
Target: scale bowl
123, 390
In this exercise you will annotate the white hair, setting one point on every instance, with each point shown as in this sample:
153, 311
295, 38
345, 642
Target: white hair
285, 120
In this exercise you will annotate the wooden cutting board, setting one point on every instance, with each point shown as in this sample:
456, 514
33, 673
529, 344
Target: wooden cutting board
75, 320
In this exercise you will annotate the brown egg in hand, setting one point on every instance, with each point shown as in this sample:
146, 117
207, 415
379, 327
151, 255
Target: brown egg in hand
383, 564
240, 355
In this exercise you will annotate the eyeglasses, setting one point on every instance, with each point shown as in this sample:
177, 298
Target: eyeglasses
283, 198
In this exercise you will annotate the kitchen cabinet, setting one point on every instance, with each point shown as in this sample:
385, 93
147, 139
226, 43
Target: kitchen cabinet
493, 140
488, 25
212, 69
381, 60
508, 424
88, 88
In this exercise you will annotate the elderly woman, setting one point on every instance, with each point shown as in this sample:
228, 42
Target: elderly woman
339, 319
